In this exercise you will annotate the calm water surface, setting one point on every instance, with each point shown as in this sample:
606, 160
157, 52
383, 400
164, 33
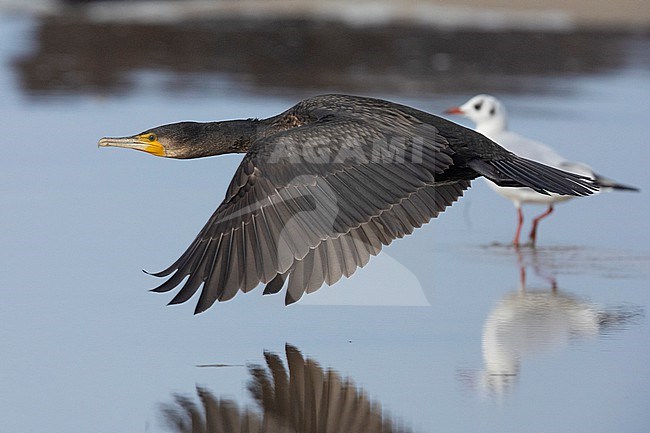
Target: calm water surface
446, 330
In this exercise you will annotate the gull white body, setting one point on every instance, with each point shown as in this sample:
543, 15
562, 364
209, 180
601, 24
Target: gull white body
537, 152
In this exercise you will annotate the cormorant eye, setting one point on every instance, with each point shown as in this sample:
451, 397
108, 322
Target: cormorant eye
151, 137
478, 105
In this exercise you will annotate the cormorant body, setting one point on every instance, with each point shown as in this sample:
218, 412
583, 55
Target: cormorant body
323, 187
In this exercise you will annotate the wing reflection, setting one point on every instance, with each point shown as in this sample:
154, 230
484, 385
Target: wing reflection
301, 398
531, 321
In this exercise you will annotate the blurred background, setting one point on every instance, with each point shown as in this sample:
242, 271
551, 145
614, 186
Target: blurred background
304, 47
447, 330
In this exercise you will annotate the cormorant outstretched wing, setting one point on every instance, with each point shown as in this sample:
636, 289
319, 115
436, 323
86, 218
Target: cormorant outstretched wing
313, 202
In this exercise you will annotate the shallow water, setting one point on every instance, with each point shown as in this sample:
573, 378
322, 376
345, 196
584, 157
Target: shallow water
447, 330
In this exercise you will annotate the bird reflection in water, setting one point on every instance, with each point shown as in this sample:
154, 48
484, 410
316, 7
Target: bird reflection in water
531, 321
301, 398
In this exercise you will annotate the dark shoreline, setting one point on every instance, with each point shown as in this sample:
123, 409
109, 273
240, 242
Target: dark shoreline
75, 56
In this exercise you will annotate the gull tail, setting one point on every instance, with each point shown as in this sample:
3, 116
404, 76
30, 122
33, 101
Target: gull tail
606, 183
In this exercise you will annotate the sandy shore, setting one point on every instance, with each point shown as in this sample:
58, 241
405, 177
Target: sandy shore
584, 13
627, 15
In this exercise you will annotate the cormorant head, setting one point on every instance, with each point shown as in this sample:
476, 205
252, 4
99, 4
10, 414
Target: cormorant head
170, 141
185, 140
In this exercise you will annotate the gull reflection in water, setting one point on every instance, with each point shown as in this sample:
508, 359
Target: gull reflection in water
531, 321
303, 398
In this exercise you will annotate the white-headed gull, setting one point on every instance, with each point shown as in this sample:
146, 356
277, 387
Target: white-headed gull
490, 117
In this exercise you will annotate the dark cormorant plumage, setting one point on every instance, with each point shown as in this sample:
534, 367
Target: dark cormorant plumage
324, 186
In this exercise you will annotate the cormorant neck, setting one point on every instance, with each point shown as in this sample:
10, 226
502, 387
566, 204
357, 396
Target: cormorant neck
214, 138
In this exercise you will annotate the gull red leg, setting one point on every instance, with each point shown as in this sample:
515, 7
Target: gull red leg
520, 223
533, 231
